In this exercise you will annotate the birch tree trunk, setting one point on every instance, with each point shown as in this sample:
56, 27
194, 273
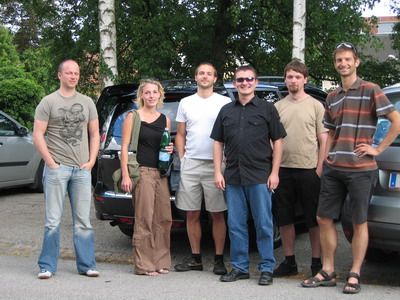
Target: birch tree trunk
299, 29
108, 42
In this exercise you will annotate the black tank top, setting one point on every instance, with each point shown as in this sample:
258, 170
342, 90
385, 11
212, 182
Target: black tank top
149, 141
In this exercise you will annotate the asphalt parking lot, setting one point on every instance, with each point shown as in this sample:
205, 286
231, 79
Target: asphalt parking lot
21, 231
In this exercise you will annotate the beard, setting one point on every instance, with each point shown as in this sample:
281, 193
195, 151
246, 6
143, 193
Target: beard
293, 89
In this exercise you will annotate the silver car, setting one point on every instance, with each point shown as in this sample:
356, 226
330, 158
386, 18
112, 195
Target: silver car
384, 209
20, 163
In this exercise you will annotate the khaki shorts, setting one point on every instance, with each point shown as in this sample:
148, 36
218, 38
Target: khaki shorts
197, 180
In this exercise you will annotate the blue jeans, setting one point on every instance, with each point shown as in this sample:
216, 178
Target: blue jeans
259, 199
56, 183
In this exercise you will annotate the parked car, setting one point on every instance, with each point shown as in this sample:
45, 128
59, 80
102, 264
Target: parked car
20, 163
279, 82
112, 106
264, 91
384, 209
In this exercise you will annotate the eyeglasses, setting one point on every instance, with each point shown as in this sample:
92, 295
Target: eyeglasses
347, 45
242, 79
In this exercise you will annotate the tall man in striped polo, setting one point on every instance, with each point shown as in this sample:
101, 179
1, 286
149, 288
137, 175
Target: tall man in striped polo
350, 168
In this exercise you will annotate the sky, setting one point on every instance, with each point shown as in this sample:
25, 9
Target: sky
381, 9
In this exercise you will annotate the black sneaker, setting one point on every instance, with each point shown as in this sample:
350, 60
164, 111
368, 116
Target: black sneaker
285, 269
315, 269
189, 264
219, 267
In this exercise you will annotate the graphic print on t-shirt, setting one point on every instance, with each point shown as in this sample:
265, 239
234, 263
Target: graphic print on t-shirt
72, 119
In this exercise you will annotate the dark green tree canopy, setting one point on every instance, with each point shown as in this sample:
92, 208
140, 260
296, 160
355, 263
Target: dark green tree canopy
168, 38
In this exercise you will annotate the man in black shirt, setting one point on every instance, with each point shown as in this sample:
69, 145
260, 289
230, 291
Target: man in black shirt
244, 130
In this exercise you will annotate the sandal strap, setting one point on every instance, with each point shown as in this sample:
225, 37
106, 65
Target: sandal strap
312, 280
354, 275
326, 276
353, 285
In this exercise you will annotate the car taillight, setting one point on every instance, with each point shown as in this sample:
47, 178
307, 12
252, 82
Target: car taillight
176, 224
100, 199
126, 220
347, 233
103, 136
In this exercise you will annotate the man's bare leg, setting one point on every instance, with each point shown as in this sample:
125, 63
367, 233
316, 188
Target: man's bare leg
359, 245
219, 231
193, 227
328, 239
288, 236
315, 241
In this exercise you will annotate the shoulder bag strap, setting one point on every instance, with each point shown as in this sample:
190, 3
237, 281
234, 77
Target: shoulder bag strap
135, 131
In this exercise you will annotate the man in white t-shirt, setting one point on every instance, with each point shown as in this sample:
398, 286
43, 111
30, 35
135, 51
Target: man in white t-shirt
196, 116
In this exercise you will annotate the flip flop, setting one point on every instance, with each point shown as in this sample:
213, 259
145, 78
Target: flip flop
315, 281
163, 271
355, 286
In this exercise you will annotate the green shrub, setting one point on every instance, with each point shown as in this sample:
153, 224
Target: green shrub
11, 72
19, 98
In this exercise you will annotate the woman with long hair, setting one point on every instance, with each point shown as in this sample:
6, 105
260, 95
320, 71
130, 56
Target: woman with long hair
151, 197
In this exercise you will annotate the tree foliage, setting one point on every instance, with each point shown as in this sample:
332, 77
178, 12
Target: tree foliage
396, 29
8, 53
19, 98
167, 38
19, 92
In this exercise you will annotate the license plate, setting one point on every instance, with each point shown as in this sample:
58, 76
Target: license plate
394, 181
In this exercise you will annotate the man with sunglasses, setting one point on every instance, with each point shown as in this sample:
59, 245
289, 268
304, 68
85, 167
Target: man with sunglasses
350, 168
301, 167
244, 130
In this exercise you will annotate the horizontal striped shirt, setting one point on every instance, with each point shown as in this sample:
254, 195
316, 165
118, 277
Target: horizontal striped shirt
353, 115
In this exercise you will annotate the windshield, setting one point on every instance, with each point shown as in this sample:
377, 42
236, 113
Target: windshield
383, 125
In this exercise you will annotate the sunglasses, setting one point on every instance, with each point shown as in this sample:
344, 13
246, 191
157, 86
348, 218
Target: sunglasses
347, 45
145, 80
242, 79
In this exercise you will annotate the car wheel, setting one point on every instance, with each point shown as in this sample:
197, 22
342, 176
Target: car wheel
37, 185
126, 229
379, 255
277, 236
253, 235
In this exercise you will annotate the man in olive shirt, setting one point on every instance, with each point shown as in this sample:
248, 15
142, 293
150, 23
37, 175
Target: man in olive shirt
71, 122
301, 167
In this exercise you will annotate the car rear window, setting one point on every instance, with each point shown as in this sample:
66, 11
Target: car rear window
114, 133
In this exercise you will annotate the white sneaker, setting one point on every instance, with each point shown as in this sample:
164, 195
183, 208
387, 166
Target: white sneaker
44, 274
92, 273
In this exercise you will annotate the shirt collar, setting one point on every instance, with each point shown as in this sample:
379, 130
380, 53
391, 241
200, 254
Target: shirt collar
255, 101
354, 86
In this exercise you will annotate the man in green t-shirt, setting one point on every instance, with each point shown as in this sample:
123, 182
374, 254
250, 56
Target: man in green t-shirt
69, 151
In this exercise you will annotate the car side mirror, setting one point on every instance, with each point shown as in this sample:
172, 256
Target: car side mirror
22, 131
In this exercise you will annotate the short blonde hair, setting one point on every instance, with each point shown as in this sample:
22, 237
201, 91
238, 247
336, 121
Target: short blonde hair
143, 82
